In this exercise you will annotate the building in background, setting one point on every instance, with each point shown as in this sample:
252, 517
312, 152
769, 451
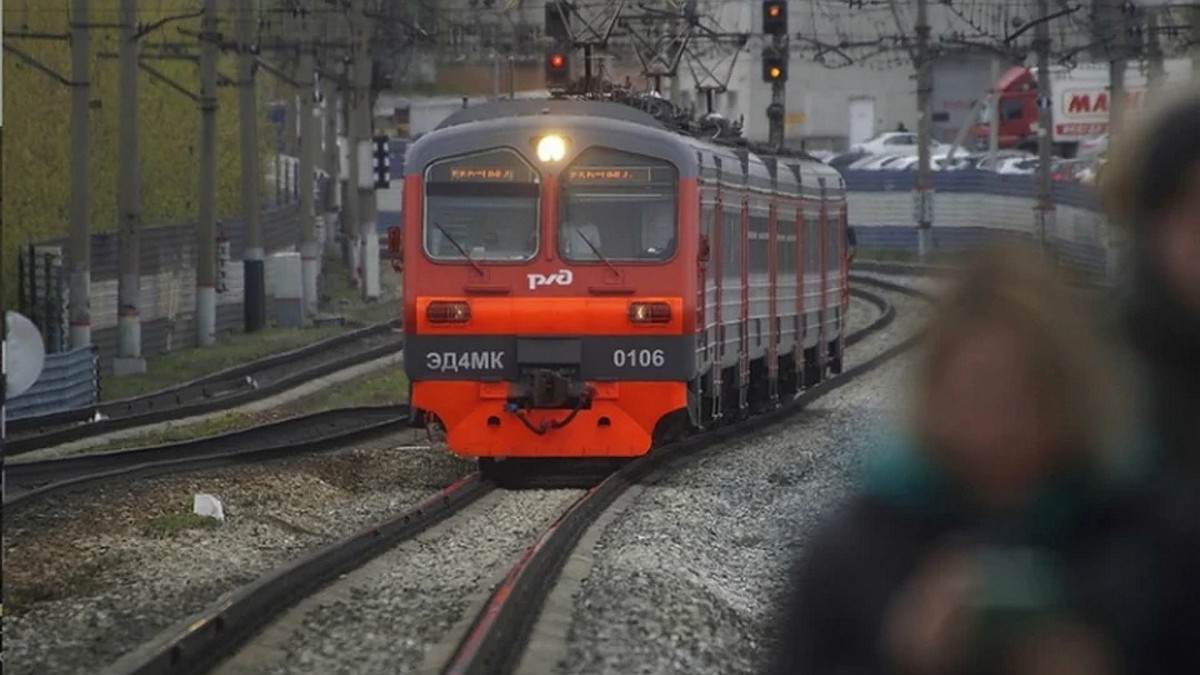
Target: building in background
851, 75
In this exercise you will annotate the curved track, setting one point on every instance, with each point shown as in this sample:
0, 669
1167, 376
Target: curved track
497, 638
229, 388
500, 632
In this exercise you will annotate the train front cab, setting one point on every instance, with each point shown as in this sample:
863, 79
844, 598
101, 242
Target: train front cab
524, 340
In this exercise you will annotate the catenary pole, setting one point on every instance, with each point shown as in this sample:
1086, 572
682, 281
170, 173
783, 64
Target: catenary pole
254, 314
1116, 67
79, 249
368, 207
206, 233
1044, 210
354, 103
305, 88
924, 197
1157, 70
129, 210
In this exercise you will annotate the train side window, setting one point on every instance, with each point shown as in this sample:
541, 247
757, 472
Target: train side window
732, 238
760, 241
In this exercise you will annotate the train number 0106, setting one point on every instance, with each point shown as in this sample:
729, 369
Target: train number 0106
639, 358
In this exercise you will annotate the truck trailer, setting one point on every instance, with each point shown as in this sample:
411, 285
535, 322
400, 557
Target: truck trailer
1079, 103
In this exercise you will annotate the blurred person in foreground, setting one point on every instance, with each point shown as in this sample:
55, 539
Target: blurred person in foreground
1007, 530
1152, 188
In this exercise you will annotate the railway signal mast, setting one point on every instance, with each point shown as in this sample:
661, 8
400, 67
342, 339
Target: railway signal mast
775, 66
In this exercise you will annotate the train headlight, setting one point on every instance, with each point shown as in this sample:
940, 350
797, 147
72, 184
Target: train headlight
552, 148
649, 312
442, 312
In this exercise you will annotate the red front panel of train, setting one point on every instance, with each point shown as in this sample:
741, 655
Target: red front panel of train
549, 315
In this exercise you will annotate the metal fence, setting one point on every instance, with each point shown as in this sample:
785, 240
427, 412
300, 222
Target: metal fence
69, 381
972, 207
167, 271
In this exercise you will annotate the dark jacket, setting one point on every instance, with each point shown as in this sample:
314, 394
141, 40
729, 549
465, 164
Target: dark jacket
1166, 339
1123, 567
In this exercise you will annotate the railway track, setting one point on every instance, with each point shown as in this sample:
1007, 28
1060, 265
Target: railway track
27, 481
499, 633
227, 389
498, 637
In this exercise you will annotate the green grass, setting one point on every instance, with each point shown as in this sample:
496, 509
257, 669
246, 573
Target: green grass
20, 595
338, 297
175, 523
388, 386
166, 370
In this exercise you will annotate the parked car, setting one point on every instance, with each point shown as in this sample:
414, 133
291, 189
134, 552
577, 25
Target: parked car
985, 163
1017, 166
875, 162
897, 143
844, 160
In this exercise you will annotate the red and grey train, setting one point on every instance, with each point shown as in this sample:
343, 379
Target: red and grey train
582, 280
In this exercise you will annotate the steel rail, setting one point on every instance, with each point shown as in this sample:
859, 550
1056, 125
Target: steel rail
26, 482
239, 385
500, 632
199, 642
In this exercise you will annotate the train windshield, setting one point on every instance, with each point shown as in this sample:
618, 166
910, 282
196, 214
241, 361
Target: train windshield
483, 206
617, 206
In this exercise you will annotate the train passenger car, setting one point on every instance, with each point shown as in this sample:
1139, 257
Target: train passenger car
581, 280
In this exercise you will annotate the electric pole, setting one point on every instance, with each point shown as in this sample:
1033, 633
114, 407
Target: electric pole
1157, 70
331, 96
305, 90
994, 115
206, 233
79, 248
332, 158
129, 210
1116, 67
1044, 210
353, 99
254, 297
924, 196
368, 208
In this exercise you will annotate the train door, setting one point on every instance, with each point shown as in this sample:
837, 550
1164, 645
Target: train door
801, 267
718, 273
772, 300
744, 361
823, 262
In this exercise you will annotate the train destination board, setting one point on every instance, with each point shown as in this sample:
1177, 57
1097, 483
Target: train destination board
604, 174
481, 174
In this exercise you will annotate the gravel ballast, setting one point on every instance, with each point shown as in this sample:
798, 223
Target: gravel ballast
91, 575
410, 604
688, 578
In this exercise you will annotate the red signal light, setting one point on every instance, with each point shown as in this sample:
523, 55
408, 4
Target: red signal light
773, 11
558, 61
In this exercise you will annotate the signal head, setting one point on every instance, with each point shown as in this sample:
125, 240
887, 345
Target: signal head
774, 17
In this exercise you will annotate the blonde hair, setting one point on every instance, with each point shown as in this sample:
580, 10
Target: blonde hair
1070, 362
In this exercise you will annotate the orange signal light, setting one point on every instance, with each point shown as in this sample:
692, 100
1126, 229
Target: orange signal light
773, 11
774, 72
